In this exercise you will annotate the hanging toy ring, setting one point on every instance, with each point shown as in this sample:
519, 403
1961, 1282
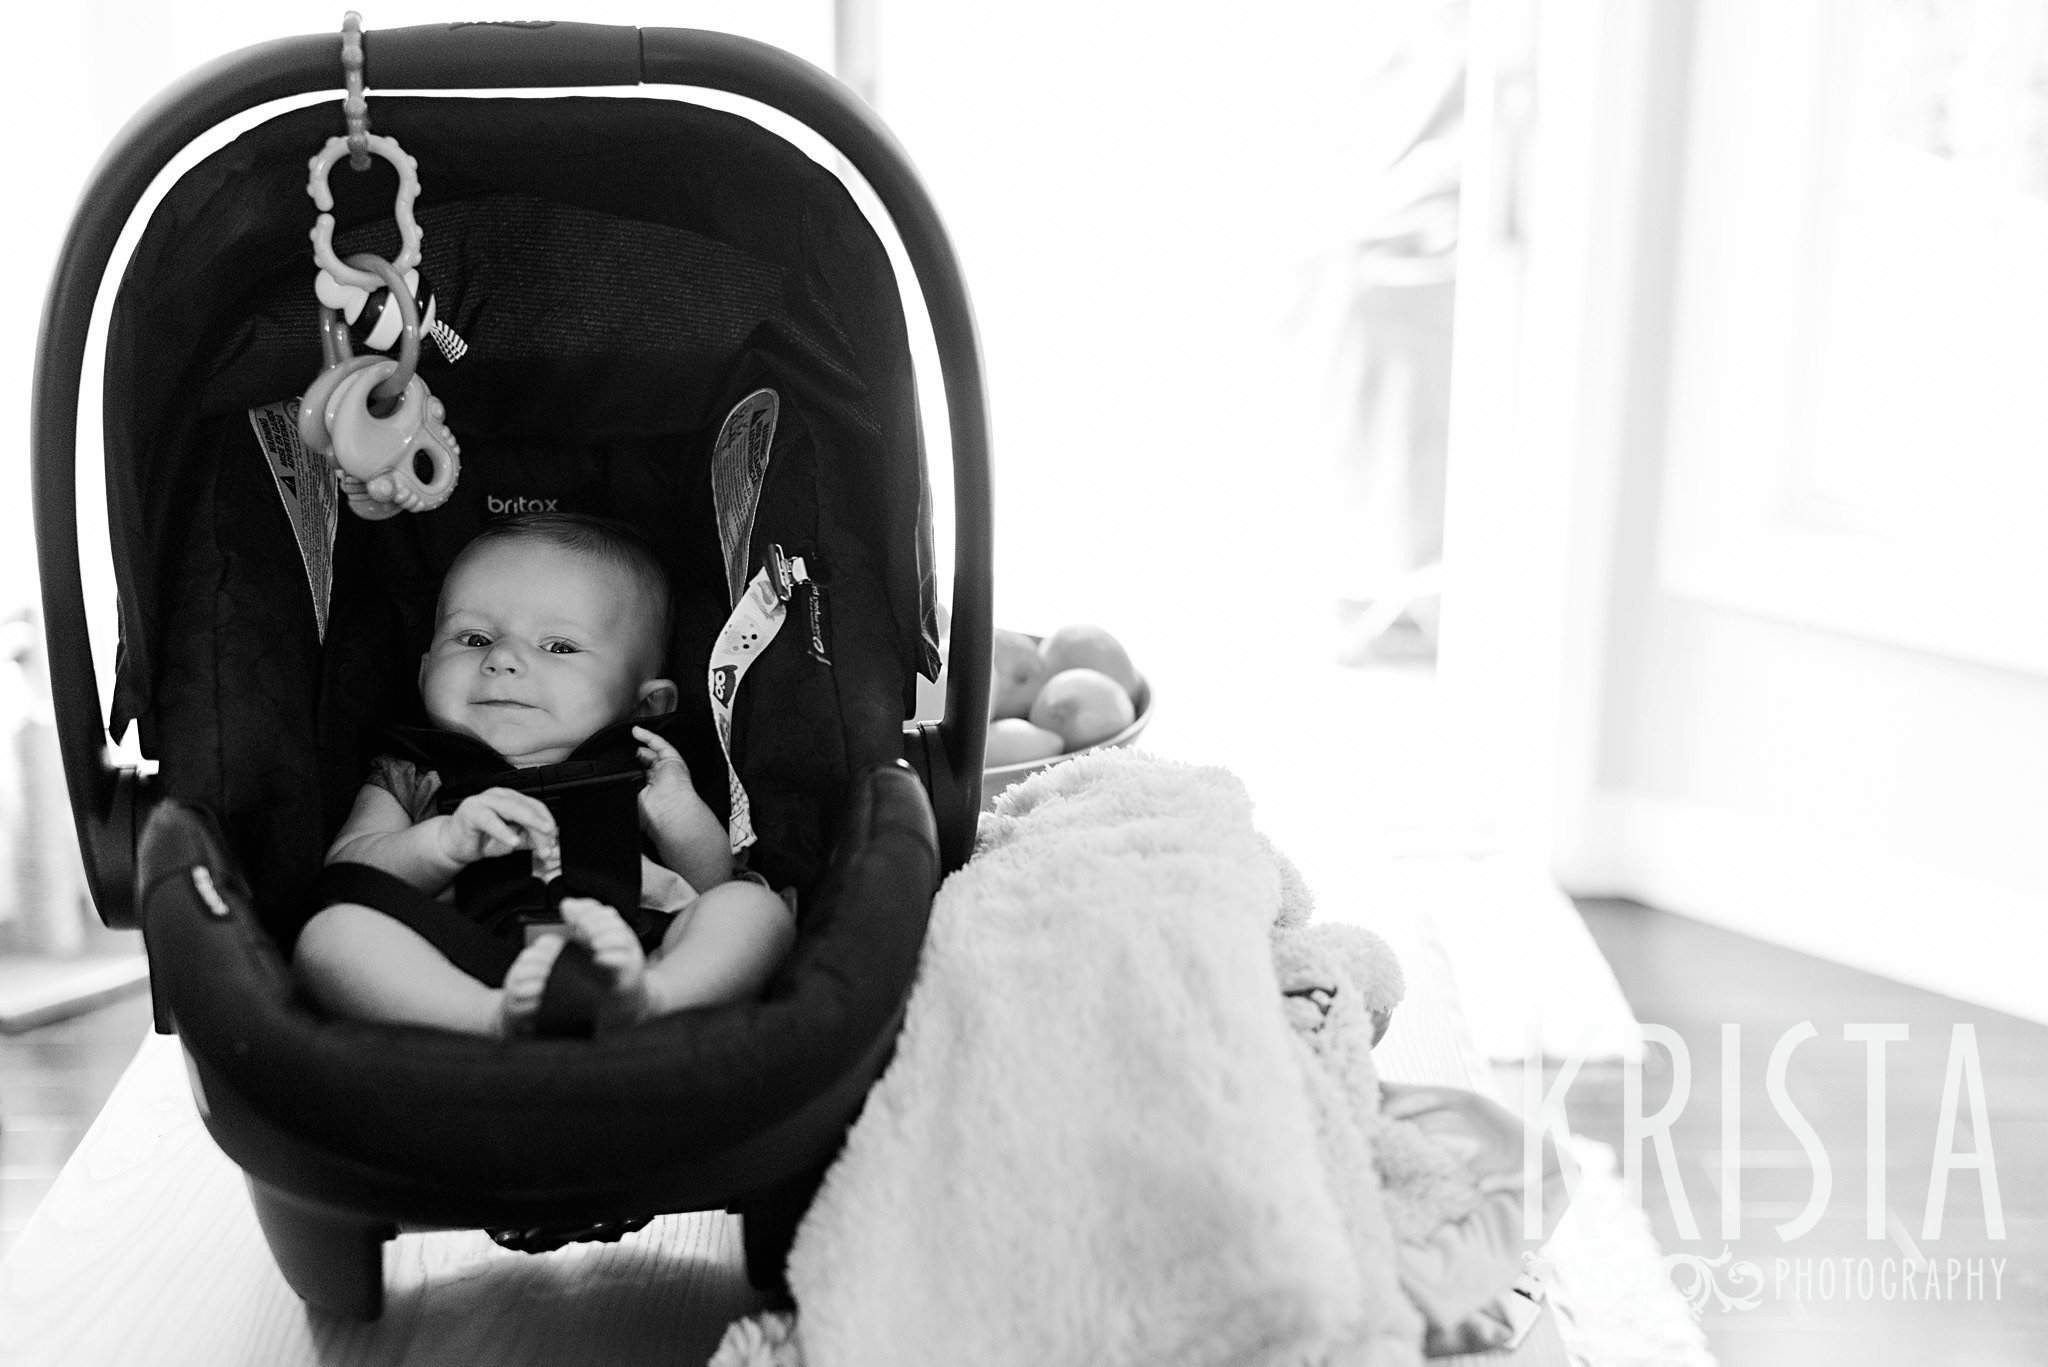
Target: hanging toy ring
401, 209
335, 346
387, 275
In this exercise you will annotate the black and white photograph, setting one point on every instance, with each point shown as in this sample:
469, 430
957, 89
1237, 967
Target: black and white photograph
880, 683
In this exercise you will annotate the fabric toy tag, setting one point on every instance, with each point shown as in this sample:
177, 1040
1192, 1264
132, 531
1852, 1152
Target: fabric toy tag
311, 501
755, 621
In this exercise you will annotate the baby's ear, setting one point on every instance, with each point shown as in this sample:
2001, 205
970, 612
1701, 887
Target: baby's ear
657, 697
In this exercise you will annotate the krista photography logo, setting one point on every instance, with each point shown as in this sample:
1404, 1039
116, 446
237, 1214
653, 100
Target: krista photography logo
1881, 1246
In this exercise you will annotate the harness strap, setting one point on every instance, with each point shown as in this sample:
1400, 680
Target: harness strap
468, 946
756, 620
576, 986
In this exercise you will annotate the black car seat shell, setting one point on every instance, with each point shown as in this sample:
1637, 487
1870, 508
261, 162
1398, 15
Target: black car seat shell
624, 271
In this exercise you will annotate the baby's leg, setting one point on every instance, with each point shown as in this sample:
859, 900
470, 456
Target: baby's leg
722, 948
362, 964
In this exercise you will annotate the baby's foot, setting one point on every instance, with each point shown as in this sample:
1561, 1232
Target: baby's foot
525, 981
616, 950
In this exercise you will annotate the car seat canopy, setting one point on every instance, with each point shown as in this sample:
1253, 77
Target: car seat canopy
623, 271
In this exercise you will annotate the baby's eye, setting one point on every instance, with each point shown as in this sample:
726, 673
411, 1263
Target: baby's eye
559, 648
471, 638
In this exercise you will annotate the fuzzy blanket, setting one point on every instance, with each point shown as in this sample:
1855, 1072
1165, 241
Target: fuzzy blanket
1098, 1141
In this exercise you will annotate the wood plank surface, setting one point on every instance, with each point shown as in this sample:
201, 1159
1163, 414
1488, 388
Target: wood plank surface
1427, 1042
1699, 979
146, 1250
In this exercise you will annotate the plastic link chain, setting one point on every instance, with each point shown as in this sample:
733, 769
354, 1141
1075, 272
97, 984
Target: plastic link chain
354, 107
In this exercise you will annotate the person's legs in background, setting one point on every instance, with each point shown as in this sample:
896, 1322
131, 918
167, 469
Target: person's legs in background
1391, 470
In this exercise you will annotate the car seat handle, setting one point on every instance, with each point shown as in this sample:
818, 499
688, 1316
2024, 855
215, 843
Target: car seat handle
501, 54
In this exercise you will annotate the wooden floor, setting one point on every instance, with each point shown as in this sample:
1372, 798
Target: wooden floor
1811, 1307
53, 1081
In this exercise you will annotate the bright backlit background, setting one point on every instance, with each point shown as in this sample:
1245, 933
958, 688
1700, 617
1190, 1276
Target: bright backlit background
1143, 197
1743, 609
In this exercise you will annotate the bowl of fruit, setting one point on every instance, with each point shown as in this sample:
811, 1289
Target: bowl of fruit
1054, 697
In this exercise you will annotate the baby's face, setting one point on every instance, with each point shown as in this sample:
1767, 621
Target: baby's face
536, 648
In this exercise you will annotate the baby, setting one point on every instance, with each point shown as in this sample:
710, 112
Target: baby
550, 628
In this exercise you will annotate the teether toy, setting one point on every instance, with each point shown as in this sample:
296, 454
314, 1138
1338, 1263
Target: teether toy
384, 452
381, 429
374, 417
313, 407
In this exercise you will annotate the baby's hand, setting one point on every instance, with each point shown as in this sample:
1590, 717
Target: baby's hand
687, 836
669, 790
494, 822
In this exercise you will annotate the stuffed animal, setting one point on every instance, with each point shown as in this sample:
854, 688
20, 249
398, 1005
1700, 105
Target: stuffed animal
1429, 1178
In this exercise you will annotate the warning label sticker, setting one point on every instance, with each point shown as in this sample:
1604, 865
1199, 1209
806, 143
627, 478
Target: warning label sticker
306, 484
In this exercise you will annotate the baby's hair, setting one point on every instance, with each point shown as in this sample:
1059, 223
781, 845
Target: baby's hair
612, 543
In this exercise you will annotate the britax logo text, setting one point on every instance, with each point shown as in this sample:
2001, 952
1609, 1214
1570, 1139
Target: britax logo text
504, 506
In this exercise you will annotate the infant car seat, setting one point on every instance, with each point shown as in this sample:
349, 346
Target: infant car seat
624, 271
